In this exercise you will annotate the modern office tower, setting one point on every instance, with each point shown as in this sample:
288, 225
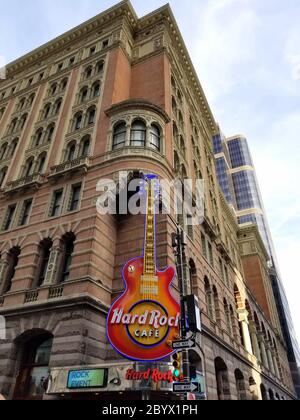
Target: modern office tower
238, 182
118, 93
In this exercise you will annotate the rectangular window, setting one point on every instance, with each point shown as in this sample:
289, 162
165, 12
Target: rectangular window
92, 50
9, 217
210, 254
56, 203
203, 241
25, 212
75, 197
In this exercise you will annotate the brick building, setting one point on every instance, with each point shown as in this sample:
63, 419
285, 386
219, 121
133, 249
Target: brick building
118, 93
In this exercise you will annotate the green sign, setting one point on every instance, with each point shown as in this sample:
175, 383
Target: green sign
84, 379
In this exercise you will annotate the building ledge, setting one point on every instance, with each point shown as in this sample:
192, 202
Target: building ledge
79, 165
31, 182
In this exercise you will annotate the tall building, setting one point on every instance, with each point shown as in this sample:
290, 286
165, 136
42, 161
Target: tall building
238, 182
118, 93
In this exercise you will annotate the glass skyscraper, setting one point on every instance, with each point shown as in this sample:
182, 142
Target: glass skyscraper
238, 182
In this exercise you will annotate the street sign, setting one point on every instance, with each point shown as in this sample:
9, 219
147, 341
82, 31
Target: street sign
182, 388
184, 344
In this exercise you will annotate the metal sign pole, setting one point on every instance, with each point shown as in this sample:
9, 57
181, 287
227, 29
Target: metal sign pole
179, 243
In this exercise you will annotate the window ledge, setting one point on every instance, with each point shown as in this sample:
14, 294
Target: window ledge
30, 182
76, 165
142, 152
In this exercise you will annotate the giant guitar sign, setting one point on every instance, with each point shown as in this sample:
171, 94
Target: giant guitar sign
145, 319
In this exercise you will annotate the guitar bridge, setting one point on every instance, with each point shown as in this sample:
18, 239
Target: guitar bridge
149, 285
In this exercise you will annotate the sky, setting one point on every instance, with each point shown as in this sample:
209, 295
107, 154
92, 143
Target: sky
247, 56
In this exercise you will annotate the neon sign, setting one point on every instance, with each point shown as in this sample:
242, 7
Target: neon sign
145, 319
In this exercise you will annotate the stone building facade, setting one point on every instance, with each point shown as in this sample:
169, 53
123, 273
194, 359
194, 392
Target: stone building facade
119, 93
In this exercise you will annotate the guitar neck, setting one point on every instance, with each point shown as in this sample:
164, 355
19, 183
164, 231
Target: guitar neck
149, 251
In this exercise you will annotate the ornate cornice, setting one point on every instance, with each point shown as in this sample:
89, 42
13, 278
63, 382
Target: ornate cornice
252, 229
122, 9
136, 104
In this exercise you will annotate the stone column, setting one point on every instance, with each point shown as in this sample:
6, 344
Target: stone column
148, 135
254, 337
263, 350
51, 275
275, 363
243, 317
3, 271
128, 133
270, 359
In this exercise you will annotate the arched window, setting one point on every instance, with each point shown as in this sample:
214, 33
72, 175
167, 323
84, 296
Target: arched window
88, 72
71, 149
138, 134
53, 89
209, 300
222, 379
83, 94
29, 166
78, 121
46, 111
180, 118
173, 83
96, 90
3, 151
184, 174
174, 106
13, 261
34, 370
13, 126
41, 162
182, 145
193, 274
57, 106
271, 395
91, 114
23, 121
3, 173
63, 84
21, 104
49, 133
216, 305
66, 257
175, 132
155, 137
38, 137
44, 256
227, 317
31, 99
119, 136
100, 67
176, 163
13, 147
2, 110
240, 385
85, 146
263, 391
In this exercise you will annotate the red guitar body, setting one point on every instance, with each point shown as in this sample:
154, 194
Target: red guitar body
127, 339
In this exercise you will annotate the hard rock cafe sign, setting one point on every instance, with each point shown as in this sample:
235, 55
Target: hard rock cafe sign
145, 319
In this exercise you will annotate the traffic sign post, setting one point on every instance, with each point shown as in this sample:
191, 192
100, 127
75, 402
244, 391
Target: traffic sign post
183, 344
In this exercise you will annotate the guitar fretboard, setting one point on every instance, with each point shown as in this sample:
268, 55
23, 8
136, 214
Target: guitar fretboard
149, 281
